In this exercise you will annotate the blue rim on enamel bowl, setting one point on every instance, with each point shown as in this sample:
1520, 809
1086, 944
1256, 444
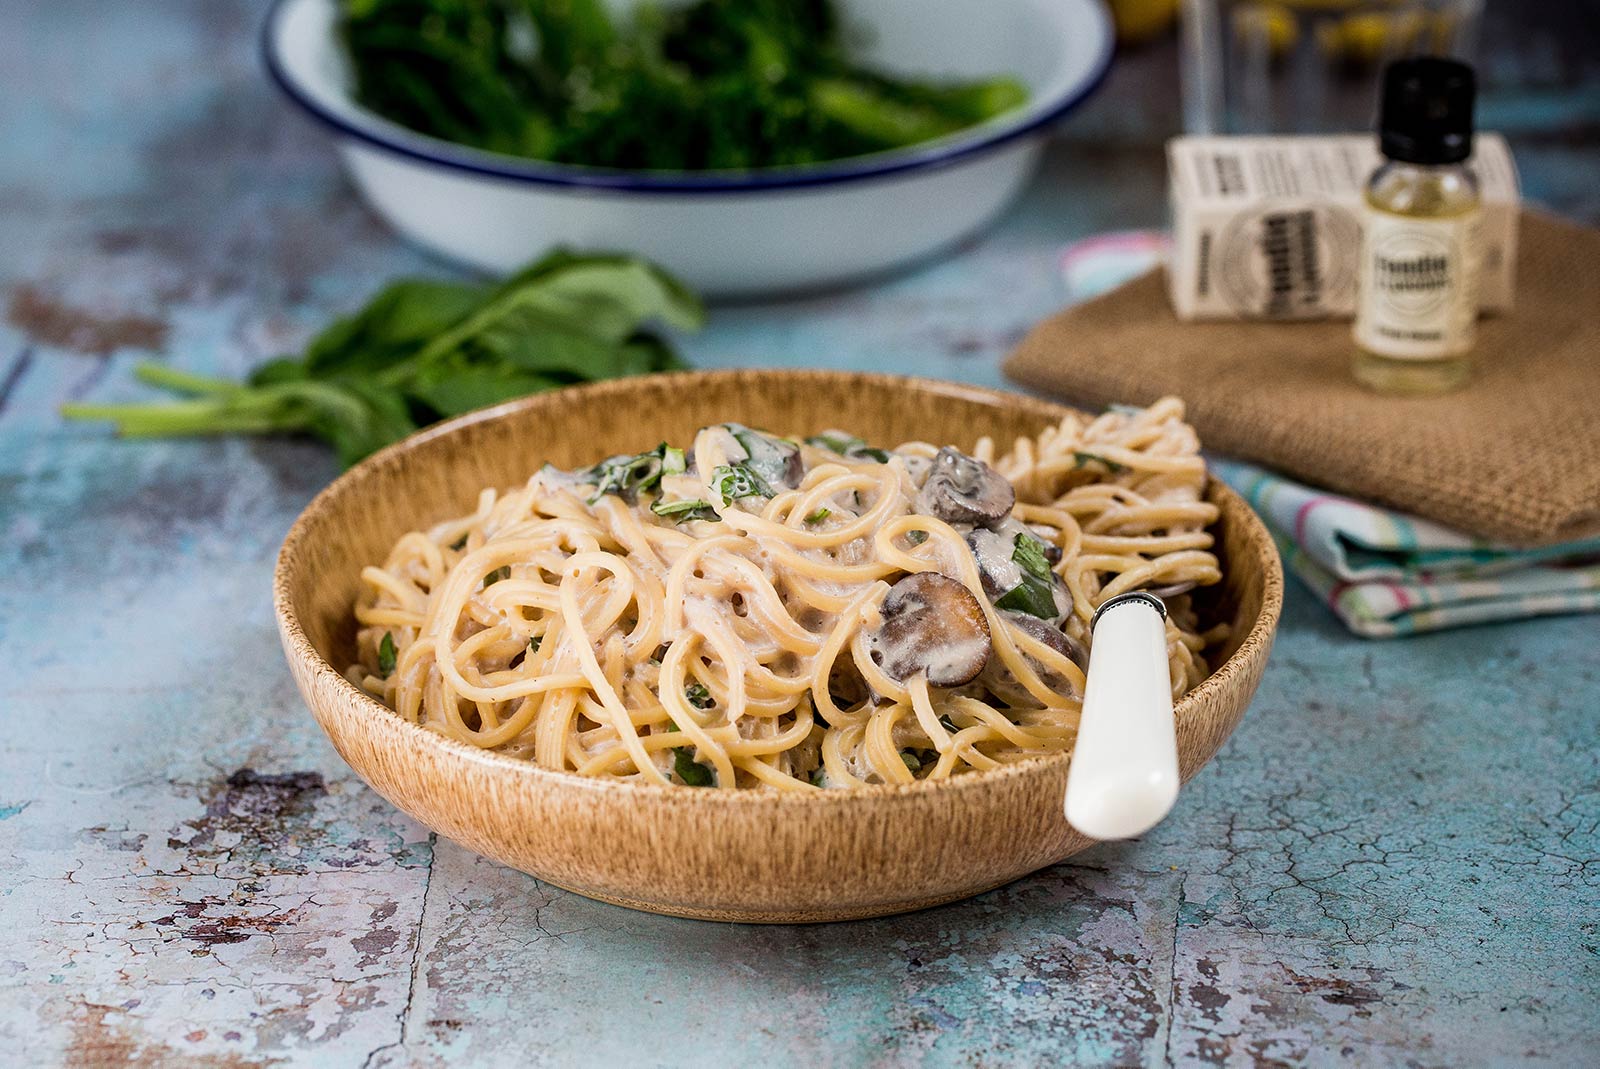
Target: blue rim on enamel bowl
380, 133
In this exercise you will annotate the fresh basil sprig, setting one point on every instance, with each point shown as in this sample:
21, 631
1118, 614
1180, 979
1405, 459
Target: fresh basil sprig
422, 350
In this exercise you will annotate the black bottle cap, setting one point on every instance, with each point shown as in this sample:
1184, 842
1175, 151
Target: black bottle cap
1427, 111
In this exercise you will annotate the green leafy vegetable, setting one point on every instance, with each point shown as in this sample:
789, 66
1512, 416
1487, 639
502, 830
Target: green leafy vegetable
502, 572
422, 350
819, 777
818, 516
1035, 595
916, 538
690, 771
386, 655
698, 696
628, 475
775, 460
724, 84
534, 643
735, 481
834, 442
1082, 459
684, 511
847, 445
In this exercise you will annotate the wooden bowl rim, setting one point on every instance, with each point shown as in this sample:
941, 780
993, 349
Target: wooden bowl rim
299, 646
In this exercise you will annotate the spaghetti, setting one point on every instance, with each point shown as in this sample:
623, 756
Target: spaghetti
756, 612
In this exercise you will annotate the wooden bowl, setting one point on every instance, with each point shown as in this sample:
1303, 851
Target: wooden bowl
722, 855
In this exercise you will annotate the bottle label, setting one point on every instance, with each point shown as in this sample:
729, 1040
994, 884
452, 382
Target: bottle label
1418, 286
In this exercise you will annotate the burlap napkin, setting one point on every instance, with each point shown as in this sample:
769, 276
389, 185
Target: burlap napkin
1514, 456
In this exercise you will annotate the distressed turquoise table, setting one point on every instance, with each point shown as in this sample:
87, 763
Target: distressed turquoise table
1394, 860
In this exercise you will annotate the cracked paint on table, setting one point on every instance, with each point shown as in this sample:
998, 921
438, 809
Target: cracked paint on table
1392, 862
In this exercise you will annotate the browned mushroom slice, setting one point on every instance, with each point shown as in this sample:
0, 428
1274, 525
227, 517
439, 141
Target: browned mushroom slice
1051, 636
933, 625
963, 489
1174, 589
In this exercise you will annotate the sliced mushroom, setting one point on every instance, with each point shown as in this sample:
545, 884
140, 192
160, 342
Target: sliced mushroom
916, 467
931, 625
997, 678
1053, 637
992, 550
1173, 590
963, 489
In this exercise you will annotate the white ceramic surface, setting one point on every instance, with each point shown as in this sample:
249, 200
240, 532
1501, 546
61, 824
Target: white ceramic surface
723, 233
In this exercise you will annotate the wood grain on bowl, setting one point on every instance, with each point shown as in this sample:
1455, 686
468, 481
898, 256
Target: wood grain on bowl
727, 855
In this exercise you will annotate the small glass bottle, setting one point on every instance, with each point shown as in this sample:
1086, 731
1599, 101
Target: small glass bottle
1417, 308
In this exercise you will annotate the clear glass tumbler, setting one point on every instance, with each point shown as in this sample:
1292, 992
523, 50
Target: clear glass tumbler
1307, 66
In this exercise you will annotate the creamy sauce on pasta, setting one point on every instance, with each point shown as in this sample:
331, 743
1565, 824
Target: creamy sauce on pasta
751, 611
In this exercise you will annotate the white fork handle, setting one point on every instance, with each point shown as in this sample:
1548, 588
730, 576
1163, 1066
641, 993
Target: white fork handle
1124, 774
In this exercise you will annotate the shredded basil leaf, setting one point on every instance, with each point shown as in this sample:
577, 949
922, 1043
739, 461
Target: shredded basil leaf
1035, 595
834, 443
386, 655
819, 777
911, 761
818, 516
1032, 555
534, 643
698, 696
1082, 459
770, 458
684, 511
690, 771
735, 481
502, 572
847, 445
627, 476
916, 538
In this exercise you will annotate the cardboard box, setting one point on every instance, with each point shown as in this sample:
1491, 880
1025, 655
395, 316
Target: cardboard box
1270, 227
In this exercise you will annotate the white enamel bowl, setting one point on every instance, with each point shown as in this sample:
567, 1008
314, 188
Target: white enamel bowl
725, 233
